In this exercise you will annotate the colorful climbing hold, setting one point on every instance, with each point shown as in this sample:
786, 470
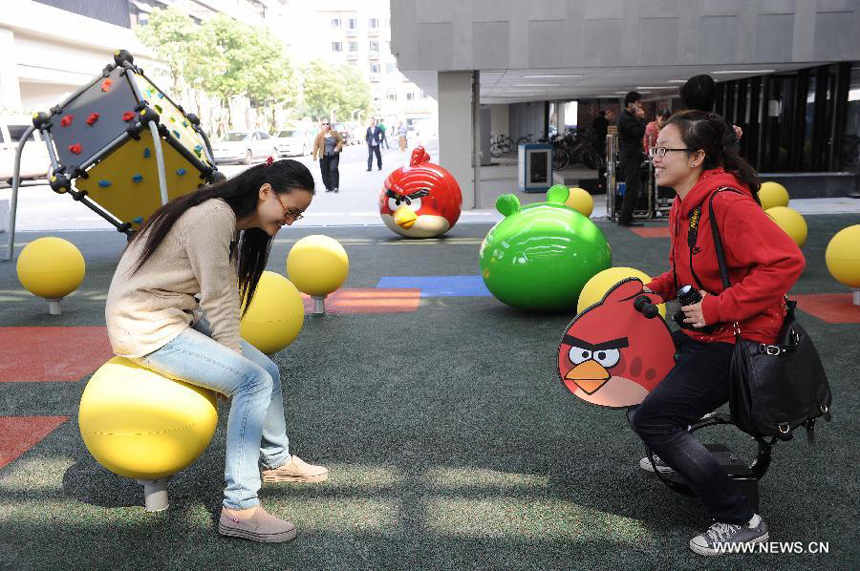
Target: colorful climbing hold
67, 120
146, 153
106, 84
181, 172
158, 108
198, 148
161, 96
176, 134
128, 116
138, 220
185, 123
104, 183
76, 148
92, 118
137, 178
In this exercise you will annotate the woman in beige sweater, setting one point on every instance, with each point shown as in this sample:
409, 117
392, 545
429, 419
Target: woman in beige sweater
214, 244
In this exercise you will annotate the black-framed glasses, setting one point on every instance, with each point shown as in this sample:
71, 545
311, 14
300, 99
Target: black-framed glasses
295, 215
661, 151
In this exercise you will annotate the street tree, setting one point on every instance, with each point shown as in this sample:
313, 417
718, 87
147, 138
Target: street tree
170, 34
327, 87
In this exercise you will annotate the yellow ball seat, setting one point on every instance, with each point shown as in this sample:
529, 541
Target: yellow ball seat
580, 200
791, 222
51, 268
139, 424
317, 265
275, 316
843, 256
599, 284
772, 194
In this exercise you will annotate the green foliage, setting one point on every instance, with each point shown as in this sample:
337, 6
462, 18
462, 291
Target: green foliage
169, 34
328, 87
222, 57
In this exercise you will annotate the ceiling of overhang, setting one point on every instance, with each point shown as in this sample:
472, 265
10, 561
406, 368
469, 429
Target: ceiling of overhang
517, 85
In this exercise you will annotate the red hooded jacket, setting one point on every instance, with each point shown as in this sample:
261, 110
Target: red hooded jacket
763, 262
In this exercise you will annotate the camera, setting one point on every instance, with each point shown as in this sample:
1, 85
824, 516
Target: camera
688, 295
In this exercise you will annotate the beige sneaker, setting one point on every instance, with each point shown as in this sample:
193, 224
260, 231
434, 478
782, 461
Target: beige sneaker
296, 470
260, 526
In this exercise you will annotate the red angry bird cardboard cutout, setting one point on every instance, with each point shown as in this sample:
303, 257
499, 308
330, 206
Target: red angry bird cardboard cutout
421, 199
611, 354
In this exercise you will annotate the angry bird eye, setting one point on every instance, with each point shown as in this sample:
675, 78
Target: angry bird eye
607, 357
578, 355
414, 203
393, 204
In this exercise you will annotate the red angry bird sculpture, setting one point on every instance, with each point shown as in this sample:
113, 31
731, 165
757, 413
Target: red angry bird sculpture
611, 354
420, 200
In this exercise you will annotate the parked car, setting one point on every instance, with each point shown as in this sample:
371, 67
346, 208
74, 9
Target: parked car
244, 147
35, 163
294, 142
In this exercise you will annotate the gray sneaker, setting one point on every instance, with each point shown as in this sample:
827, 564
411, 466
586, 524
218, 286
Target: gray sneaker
725, 538
662, 467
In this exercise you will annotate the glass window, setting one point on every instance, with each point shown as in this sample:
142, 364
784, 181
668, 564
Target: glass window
233, 137
374, 68
353, 47
352, 23
391, 96
850, 147
373, 46
262, 136
288, 134
390, 68
410, 96
373, 23
335, 22
336, 47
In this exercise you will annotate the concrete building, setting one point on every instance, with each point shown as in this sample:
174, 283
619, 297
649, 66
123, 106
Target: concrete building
788, 71
358, 33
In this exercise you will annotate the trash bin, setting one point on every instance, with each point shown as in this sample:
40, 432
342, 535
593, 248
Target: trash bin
534, 167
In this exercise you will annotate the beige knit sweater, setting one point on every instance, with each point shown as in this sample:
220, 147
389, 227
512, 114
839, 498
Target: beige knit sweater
147, 310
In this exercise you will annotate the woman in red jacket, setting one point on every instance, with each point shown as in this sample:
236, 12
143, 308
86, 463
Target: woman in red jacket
763, 264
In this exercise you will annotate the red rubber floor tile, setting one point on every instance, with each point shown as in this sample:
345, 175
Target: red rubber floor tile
371, 300
20, 433
651, 231
829, 307
40, 354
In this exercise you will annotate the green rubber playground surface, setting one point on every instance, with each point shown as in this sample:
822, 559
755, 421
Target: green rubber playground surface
451, 442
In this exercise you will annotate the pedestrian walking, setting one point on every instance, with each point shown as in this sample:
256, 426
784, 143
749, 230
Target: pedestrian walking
372, 137
327, 147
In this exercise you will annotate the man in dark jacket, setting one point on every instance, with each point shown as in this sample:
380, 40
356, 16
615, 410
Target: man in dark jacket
631, 129
373, 137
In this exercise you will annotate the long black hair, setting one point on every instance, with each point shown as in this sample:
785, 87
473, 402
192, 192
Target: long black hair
707, 131
241, 193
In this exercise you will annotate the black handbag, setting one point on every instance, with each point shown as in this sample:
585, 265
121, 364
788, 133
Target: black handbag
773, 389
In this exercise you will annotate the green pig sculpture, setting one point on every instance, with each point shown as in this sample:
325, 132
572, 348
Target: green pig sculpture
539, 257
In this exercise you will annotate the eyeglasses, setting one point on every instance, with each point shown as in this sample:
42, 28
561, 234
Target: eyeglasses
661, 151
289, 213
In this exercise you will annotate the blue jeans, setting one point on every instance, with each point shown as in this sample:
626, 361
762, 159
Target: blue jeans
255, 427
697, 385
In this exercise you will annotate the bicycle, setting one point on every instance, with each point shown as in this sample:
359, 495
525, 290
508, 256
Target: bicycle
500, 144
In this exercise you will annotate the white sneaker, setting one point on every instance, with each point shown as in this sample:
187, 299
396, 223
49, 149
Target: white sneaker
662, 467
724, 538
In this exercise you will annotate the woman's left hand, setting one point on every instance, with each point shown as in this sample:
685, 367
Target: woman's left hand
693, 313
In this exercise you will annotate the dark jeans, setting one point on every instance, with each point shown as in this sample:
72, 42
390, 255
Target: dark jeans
384, 141
330, 175
371, 150
696, 386
632, 170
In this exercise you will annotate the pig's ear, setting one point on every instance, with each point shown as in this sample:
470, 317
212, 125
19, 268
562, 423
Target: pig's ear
557, 194
507, 204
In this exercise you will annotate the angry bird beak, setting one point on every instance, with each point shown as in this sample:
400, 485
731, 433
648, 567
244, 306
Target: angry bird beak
589, 376
405, 217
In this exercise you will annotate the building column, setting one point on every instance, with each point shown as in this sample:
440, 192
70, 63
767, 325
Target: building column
456, 131
10, 88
